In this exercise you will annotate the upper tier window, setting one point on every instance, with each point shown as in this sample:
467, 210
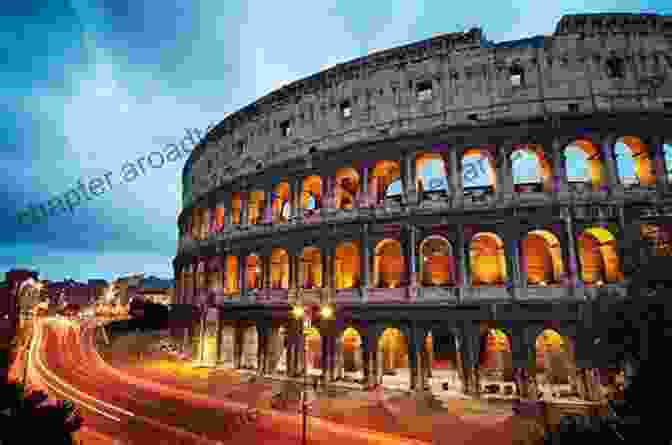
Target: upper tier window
346, 109
516, 75
241, 147
424, 91
615, 68
286, 128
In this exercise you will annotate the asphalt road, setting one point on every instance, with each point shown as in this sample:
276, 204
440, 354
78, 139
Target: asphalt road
137, 411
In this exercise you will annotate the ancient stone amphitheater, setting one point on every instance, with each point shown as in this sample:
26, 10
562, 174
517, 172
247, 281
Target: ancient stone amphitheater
441, 215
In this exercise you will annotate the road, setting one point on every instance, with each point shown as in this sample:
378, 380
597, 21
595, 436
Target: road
136, 411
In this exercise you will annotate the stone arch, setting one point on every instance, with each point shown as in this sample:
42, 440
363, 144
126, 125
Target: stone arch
600, 262
254, 272
541, 255
218, 221
281, 205
313, 346
478, 169
393, 355
347, 187
353, 360
495, 360
388, 264
256, 204
583, 162
431, 173
633, 162
488, 263
443, 358
236, 207
250, 347
437, 264
311, 267
658, 238
279, 269
554, 363
312, 193
530, 167
347, 265
385, 180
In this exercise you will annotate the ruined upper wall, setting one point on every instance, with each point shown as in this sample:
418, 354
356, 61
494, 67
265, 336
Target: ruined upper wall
469, 76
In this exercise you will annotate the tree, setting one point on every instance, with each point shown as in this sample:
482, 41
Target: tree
30, 417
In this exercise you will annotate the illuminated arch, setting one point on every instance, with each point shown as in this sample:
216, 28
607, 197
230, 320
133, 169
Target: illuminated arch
478, 169
385, 180
351, 342
530, 166
388, 264
312, 193
236, 207
436, 262
599, 256
231, 284
488, 263
313, 345
254, 272
393, 350
256, 204
281, 205
584, 164
633, 162
279, 269
431, 173
495, 359
552, 358
220, 212
347, 264
311, 267
543, 257
347, 186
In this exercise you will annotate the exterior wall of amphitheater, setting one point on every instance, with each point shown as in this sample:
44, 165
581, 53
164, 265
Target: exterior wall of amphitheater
317, 195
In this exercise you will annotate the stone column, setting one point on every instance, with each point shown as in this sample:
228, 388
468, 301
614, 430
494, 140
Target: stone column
560, 184
463, 258
218, 356
613, 181
268, 213
657, 151
504, 173
363, 182
228, 209
411, 266
572, 250
242, 269
365, 259
244, 198
409, 175
325, 183
372, 346
455, 177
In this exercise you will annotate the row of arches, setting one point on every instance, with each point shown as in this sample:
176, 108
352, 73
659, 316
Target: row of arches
554, 368
541, 259
531, 170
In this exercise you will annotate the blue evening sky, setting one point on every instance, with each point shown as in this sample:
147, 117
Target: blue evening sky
88, 85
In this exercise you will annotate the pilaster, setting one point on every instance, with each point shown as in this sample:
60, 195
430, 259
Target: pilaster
455, 177
409, 177
607, 146
365, 265
560, 184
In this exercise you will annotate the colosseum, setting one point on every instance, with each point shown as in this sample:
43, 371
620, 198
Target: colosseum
442, 216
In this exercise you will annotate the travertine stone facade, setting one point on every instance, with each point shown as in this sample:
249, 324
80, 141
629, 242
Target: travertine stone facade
434, 189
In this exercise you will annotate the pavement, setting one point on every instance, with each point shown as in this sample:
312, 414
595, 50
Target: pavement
454, 421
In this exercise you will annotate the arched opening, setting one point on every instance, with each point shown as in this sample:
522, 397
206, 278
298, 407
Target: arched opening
583, 164
437, 265
281, 205
228, 339
442, 354
531, 170
495, 362
279, 269
215, 270
312, 194
249, 359
254, 274
600, 263
432, 179
200, 283
389, 264
553, 364
255, 207
478, 172
542, 257
218, 224
313, 345
347, 186
347, 264
633, 162
353, 361
231, 282
385, 181
667, 156
658, 239
311, 268
393, 359
236, 207
488, 264
278, 351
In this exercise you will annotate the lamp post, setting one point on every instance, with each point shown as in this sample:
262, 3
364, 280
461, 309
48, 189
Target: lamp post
299, 313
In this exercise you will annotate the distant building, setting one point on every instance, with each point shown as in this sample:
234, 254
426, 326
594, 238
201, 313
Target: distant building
71, 291
126, 287
156, 290
9, 307
97, 289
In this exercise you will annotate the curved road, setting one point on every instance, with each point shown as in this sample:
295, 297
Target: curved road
136, 411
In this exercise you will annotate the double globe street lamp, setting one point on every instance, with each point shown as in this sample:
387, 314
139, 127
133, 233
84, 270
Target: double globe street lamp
299, 313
